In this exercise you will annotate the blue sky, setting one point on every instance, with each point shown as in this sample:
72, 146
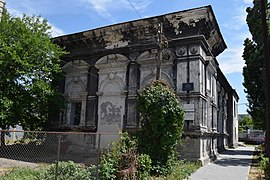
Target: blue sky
70, 16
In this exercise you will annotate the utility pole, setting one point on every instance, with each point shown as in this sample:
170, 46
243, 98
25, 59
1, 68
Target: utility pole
162, 43
267, 79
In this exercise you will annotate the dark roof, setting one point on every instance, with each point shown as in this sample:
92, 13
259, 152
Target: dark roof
206, 24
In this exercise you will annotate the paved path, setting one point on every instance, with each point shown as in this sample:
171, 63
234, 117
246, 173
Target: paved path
232, 164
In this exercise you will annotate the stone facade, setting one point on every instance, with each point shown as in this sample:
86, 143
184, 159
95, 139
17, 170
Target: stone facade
2, 4
108, 66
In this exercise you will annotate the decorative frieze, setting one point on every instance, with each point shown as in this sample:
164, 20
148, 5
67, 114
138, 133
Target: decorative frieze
194, 49
181, 51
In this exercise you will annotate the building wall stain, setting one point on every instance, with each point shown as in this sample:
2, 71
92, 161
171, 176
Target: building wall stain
110, 114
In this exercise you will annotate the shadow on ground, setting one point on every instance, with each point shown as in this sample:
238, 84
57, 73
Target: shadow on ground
235, 157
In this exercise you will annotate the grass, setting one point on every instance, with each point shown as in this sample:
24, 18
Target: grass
255, 172
181, 170
20, 173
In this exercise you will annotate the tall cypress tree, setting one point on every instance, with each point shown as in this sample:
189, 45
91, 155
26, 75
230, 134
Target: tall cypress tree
254, 64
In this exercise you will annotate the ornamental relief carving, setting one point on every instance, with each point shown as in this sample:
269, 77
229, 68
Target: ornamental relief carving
168, 55
110, 114
194, 50
75, 85
112, 61
181, 51
111, 83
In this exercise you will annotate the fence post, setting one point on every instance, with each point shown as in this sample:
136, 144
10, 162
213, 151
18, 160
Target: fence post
58, 156
97, 175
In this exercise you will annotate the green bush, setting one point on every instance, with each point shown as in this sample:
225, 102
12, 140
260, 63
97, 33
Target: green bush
144, 166
20, 173
264, 163
122, 160
66, 171
162, 124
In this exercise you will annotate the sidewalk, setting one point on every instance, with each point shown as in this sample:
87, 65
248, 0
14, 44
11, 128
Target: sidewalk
232, 164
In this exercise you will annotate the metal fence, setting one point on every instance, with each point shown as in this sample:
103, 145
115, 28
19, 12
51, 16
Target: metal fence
53, 147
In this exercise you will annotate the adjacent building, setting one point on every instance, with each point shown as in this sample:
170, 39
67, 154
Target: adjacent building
2, 5
107, 67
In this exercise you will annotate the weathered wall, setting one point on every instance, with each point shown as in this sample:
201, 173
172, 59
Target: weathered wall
2, 3
121, 61
129, 36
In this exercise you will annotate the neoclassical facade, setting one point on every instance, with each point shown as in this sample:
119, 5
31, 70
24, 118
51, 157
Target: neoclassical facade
107, 67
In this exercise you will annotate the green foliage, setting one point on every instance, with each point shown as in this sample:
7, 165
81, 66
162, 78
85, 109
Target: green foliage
67, 170
254, 65
20, 173
29, 62
122, 160
264, 162
144, 166
162, 124
245, 122
182, 170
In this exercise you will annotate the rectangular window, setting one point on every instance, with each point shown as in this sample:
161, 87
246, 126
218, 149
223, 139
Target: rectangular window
209, 82
75, 113
234, 109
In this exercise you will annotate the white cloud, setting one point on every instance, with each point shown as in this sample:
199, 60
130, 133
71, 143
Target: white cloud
106, 7
237, 21
231, 60
55, 31
248, 1
101, 7
236, 31
243, 35
15, 12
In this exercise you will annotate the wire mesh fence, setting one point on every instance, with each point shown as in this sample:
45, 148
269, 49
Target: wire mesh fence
52, 147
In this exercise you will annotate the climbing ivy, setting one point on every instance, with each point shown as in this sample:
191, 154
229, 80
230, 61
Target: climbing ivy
161, 123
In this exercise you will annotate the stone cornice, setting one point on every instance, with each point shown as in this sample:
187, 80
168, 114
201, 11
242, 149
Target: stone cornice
134, 34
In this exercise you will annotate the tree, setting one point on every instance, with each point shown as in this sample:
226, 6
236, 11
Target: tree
246, 122
162, 123
29, 62
253, 69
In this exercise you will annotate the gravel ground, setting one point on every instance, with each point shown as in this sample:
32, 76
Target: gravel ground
9, 163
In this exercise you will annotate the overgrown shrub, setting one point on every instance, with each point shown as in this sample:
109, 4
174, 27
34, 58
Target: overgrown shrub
20, 173
122, 160
264, 163
67, 170
162, 124
144, 166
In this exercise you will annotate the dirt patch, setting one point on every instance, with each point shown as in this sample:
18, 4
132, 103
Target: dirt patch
4, 171
7, 165
10, 163
255, 173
